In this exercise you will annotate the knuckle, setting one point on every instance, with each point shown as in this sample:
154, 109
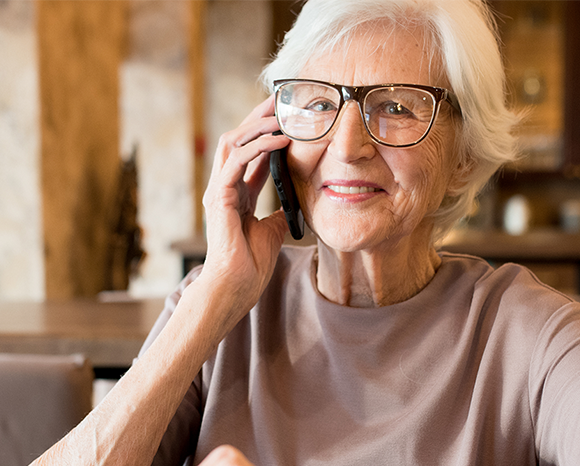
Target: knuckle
228, 141
223, 140
205, 201
226, 453
226, 138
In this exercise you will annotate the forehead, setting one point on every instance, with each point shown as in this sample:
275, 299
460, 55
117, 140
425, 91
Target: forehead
379, 54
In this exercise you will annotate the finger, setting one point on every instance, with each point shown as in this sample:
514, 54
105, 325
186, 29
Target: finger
260, 121
225, 455
236, 165
264, 109
226, 186
258, 170
254, 129
256, 176
241, 136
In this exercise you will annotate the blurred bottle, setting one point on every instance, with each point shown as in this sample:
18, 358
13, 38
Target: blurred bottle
570, 216
517, 215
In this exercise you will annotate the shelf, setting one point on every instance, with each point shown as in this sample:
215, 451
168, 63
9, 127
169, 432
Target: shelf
545, 245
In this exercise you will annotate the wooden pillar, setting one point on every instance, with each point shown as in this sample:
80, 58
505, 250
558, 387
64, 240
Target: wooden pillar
80, 46
284, 13
197, 67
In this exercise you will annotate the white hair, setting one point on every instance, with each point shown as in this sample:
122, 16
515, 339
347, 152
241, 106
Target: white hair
463, 33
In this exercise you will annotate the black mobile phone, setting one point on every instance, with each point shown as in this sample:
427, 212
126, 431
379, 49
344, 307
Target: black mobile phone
286, 192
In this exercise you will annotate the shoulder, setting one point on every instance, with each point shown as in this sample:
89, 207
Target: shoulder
513, 304
510, 294
520, 288
293, 264
508, 280
294, 260
295, 257
291, 281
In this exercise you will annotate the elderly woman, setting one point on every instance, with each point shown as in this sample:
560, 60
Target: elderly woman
370, 348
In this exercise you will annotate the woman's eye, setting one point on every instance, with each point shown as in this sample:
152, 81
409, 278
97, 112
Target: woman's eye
395, 108
321, 106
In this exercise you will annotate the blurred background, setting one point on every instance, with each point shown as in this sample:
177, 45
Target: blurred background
110, 112
109, 115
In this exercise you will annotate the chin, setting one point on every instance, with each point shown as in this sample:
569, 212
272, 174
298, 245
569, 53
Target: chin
347, 240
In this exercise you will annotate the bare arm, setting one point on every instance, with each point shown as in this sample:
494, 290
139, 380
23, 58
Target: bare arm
128, 425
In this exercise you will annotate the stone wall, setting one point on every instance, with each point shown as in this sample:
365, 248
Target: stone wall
156, 115
152, 113
21, 250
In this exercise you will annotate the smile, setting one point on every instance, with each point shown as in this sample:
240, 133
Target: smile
352, 189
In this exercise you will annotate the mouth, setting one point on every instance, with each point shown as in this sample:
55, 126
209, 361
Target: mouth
351, 191
340, 189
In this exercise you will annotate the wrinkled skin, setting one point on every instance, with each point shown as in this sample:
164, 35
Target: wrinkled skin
375, 249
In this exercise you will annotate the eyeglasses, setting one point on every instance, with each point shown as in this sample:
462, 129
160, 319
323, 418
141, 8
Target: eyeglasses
395, 115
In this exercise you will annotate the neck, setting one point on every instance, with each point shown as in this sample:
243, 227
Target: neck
386, 274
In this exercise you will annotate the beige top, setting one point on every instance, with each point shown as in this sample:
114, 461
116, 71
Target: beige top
482, 367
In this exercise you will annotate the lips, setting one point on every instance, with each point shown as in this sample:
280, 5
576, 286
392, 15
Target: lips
351, 190
340, 189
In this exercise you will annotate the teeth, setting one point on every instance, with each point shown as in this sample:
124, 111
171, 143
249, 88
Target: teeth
351, 189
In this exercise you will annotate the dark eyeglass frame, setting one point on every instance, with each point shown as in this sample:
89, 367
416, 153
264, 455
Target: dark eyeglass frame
359, 93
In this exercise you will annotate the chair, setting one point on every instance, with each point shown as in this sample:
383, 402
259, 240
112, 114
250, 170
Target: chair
41, 398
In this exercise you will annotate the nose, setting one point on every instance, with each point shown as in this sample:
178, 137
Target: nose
349, 140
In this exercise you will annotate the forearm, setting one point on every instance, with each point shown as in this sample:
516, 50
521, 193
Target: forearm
128, 425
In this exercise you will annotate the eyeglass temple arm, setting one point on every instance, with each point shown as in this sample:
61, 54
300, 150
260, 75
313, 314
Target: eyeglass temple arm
452, 99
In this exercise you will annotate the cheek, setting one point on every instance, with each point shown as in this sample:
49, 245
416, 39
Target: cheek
442, 160
423, 175
303, 161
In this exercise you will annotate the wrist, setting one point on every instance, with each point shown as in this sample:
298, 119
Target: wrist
208, 310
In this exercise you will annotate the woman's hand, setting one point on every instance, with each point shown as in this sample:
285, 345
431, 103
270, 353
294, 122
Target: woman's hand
242, 250
225, 456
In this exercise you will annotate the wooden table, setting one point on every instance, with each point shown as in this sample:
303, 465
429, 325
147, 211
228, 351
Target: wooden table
110, 334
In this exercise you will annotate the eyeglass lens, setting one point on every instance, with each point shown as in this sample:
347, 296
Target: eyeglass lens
393, 115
